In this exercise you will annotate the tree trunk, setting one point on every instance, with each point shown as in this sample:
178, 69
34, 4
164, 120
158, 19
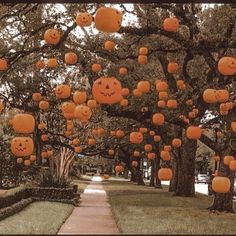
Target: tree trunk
174, 180
157, 167
186, 167
126, 173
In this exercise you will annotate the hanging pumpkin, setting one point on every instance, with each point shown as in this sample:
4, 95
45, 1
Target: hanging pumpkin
23, 123
111, 152
151, 155
227, 65
52, 63
142, 59
221, 184
216, 158
161, 104
83, 113
162, 86
193, 132
119, 169
79, 97
22, 146
100, 131
78, 149
152, 133
92, 103
172, 104
32, 158
40, 64
165, 155
108, 19
36, 97
107, 90
136, 137
233, 126
3, 64
70, 58
134, 163
125, 92
176, 142
171, 24
124, 102
157, 138
136, 153
112, 133
158, 119
62, 91
148, 147
232, 165
75, 141
68, 107
167, 148
222, 95
165, 174
44, 137
137, 93
52, 36
228, 159
191, 114
172, 67
96, 68
120, 133
143, 86
84, 19
163, 95
41, 126
109, 45
143, 51
43, 105
143, 130
209, 96
123, 71
91, 142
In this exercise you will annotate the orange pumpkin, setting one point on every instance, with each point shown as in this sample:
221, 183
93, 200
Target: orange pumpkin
152, 133
136, 153
79, 97
44, 154
22, 146
68, 107
142, 59
62, 91
228, 159
189, 102
221, 184
44, 137
157, 138
41, 126
161, 104
92, 103
143, 51
108, 19
78, 149
233, 126
52, 36
19, 160
143, 86
165, 155
83, 113
112, 133
96, 68
162, 86
124, 102
75, 141
111, 152
137, 93
123, 71
3, 64
84, 19
165, 174
136, 137
120, 133
143, 130
193, 132
32, 158
70, 58
227, 65
216, 158
100, 131
176, 142
158, 119
27, 162
91, 141
43, 105
125, 92
134, 163
23, 123
40, 64
167, 148
172, 104
52, 63
222, 95
37, 97
119, 169
109, 45
107, 90
232, 165
151, 155
180, 83
172, 67
171, 24
209, 96
163, 95
148, 147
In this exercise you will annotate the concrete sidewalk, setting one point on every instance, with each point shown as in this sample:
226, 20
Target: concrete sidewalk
93, 216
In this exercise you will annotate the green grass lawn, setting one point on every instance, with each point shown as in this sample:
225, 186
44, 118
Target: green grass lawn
37, 218
145, 210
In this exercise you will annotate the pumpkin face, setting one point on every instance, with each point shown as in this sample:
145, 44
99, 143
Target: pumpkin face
3, 64
227, 65
165, 174
43, 105
83, 113
63, 91
79, 97
84, 19
52, 36
71, 58
68, 107
22, 146
171, 24
209, 96
136, 137
108, 19
107, 90
222, 95
221, 184
23, 123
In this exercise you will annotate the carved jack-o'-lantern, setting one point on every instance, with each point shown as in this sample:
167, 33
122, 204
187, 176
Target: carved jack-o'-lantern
136, 137
79, 97
68, 109
22, 146
108, 19
227, 65
52, 36
23, 123
84, 19
83, 113
107, 90
63, 91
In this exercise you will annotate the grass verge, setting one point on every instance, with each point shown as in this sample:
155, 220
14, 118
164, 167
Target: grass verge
37, 218
145, 210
